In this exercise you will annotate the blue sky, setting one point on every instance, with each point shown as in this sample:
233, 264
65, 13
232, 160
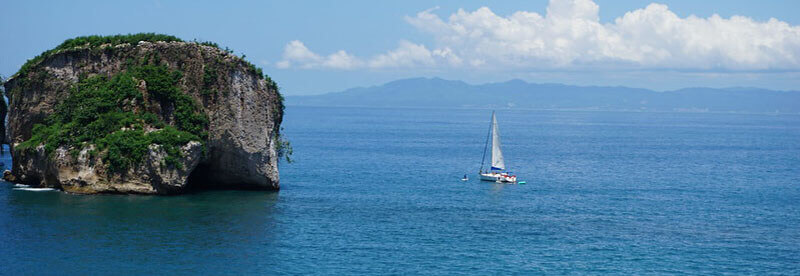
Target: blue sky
322, 46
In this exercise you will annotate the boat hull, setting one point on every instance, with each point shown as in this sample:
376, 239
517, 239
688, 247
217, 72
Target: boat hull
498, 177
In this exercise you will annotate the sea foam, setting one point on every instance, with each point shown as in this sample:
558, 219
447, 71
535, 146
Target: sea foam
23, 187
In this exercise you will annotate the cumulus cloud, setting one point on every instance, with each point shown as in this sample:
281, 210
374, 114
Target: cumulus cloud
406, 55
570, 36
297, 54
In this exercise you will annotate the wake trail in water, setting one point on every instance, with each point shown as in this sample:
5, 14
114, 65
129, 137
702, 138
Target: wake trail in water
23, 187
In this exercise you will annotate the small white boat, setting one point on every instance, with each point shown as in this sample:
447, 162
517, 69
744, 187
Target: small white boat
465, 178
501, 177
496, 172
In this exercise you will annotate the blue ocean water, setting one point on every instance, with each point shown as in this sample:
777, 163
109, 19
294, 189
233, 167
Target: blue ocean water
378, 191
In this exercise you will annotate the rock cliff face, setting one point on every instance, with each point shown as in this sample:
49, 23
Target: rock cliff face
237, 110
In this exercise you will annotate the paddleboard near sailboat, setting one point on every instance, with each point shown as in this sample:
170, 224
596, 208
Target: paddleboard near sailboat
497, 169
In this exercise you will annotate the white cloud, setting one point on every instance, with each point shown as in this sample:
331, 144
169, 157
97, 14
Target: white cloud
297, 54
406, 55
447, 55
571, 36
341, 60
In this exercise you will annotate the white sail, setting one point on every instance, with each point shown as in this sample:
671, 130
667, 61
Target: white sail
497, 155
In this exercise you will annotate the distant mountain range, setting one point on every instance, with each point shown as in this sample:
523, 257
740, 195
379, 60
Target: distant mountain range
436, 92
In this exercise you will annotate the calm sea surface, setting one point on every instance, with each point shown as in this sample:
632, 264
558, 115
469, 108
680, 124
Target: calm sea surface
378, 191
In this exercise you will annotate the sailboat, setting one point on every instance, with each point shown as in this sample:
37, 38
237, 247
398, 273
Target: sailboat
497, 170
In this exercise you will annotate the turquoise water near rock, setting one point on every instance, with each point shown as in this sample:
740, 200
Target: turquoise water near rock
378, 191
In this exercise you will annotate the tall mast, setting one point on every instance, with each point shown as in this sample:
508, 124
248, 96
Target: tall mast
486, 145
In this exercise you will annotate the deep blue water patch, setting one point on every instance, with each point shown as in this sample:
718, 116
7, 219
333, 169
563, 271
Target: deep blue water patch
379, 191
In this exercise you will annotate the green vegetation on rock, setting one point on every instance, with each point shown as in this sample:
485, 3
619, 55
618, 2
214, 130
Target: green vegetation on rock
95, 41
209, 78
283, 148
112, 114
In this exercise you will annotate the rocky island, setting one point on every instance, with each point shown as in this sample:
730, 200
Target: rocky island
143, 113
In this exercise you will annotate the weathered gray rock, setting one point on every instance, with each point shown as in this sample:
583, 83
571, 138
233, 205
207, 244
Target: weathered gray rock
243, 109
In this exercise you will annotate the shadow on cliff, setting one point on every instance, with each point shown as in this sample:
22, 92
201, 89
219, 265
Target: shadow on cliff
204, 178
